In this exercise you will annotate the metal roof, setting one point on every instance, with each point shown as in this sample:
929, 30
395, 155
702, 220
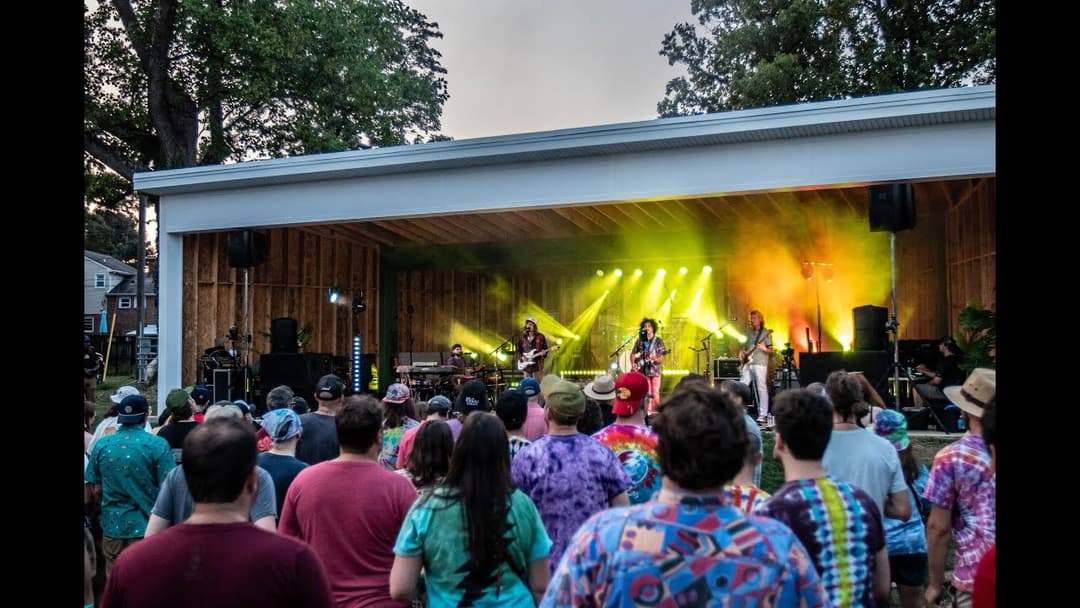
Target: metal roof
874, 113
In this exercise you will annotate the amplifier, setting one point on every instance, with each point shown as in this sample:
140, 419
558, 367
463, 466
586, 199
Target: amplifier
725, 367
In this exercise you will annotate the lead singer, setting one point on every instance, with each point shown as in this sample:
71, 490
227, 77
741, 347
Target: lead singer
648, 356
532, 349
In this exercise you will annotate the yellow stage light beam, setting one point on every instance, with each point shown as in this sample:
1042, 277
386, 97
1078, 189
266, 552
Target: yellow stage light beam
581, 325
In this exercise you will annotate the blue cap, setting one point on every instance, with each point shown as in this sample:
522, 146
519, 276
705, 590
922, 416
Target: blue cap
530, 387
133, 410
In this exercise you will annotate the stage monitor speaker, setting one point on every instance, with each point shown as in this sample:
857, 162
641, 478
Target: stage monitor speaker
283, 335
815, 367
870, 330
247, 248
892, 207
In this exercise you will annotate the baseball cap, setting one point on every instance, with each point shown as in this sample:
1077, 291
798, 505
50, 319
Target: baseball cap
473, 396
565, 399
330, 387
892, 425
176, 399
396, 393
122, 392
200, 394
439, 403
630, 389
133, 409
529, 387
243, 405
281, 424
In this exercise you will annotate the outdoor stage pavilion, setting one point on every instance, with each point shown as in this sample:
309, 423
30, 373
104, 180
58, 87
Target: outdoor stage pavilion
460, 241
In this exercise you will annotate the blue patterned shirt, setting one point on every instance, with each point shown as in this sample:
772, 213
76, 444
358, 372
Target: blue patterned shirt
909, 537
840, 525
130, 465
685, 549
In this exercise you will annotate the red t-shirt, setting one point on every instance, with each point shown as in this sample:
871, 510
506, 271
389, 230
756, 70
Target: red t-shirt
405, 445
985, 593
350, 514
217, 566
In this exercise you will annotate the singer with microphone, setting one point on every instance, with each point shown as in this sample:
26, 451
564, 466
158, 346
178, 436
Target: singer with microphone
648, 357
532, 349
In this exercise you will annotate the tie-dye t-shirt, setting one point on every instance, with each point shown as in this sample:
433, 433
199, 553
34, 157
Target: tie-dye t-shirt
909, 537
745, 498
568, 477
684, 549
635, 446
840, 525
391, 441
962, 482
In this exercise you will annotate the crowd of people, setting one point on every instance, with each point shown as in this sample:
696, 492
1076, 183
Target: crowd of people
554, 494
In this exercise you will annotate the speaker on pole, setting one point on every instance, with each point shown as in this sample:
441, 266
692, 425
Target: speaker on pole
247, 248
892, 207
283, 335
870, 330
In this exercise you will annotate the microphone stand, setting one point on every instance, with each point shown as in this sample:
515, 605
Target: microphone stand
498, 370
615, 354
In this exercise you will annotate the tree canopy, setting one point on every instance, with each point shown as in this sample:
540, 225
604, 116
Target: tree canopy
755, 53
173, 84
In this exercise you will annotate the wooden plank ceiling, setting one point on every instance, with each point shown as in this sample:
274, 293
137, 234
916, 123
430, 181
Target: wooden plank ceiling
625, 217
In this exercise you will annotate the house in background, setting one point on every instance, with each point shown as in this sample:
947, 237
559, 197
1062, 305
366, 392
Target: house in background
109, 288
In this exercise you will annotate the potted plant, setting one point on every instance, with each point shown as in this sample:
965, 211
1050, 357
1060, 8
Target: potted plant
978, 337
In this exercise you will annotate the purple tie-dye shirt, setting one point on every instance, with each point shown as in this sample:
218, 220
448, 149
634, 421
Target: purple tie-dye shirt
961, 481
569, 478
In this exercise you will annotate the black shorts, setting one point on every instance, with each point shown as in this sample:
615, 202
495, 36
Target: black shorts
911, 570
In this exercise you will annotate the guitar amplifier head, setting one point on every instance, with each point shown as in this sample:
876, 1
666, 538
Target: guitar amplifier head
725, 367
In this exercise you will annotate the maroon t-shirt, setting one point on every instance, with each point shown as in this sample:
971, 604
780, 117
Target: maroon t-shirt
350, 514
217, 565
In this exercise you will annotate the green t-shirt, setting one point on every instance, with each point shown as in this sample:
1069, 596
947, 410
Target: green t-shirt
435, 529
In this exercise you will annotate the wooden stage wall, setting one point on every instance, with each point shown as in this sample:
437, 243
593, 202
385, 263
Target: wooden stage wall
947, 261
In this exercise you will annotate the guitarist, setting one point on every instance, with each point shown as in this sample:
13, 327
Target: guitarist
532, 340
755, 356
648, 357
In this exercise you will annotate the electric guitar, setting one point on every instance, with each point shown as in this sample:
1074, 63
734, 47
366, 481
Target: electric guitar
744, 355
529, 358
645, 362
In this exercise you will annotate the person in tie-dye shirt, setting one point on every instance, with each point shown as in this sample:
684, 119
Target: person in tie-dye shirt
688, 546
838, 523
632, 441
567, 474
962, 490
396, 405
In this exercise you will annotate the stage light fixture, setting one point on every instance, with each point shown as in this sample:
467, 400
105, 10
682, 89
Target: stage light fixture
599, 272
706, 269
661, 271
637, 272
333, 295
683, 270
614, 366
618, 272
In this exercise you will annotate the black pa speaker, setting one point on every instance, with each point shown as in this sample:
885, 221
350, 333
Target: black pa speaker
247, 248
283, 335
892, 207
870, 332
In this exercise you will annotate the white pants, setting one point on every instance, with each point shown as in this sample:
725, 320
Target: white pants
760, 376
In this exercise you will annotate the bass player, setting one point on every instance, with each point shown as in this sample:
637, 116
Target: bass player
755, 359
648, 358
532, 349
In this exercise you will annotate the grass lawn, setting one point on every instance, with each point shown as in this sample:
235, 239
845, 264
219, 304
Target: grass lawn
109, 386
